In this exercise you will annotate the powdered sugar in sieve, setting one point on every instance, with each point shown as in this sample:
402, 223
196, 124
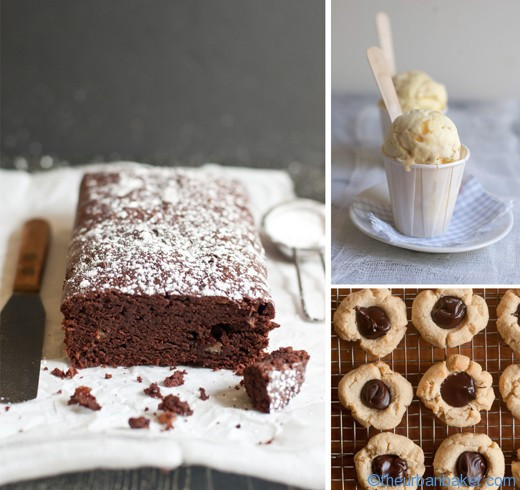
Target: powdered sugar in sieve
297, 228
299, 224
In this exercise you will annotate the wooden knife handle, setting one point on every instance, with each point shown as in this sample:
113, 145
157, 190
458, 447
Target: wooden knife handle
33, 253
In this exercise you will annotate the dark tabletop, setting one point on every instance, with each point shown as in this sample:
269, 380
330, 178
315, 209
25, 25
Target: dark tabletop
184, 478
237, 82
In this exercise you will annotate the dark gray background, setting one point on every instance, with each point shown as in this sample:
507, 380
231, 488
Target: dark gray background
239, 82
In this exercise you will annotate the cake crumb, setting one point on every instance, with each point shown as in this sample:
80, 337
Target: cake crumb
45, 368
70, 373
238, 426
173, 368
176, 379
146, 409
265, 443
174, 404
59, 392
108, 376
7, 408
153, 391
203, 395
139, 423
167, 419
83, 397
139, 379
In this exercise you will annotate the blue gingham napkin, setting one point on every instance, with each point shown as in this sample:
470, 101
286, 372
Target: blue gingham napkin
475, 212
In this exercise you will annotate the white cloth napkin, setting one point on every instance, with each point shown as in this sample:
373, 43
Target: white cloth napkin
475, 212
45, 436
491, 130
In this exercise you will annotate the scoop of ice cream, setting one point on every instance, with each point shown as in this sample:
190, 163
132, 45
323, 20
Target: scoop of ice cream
421, 136
417, 90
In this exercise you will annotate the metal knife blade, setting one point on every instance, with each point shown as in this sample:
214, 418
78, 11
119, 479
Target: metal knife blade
22, 321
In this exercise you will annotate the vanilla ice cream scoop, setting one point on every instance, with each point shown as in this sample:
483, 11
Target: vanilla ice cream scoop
416, 90
421, 136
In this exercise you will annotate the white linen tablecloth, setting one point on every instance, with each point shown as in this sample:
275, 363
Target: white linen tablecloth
45, 436
491, 130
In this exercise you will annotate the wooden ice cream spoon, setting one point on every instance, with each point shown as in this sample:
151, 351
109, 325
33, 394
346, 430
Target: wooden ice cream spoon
384, 32
379, 65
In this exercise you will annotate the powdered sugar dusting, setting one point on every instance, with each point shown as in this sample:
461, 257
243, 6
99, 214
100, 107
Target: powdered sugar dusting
282, 386
165, 232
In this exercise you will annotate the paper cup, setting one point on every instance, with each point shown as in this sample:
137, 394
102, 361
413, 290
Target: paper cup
423, 198
385, 118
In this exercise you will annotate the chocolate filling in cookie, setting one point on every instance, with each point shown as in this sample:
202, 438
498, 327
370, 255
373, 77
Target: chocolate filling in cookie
389, 466
458, 389
375, 394
471, 465
517, 314
372, 322
449, 312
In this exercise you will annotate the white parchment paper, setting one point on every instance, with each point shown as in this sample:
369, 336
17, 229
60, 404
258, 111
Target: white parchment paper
45, 436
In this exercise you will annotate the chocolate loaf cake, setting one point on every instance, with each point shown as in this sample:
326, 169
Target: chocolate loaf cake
165, 267
273, 381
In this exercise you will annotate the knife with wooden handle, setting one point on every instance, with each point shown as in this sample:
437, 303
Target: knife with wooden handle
22, 321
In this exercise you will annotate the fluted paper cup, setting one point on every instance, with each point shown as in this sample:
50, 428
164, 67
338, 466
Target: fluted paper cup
385, 118
423, 198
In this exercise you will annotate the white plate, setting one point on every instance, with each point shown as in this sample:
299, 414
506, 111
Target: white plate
379, 193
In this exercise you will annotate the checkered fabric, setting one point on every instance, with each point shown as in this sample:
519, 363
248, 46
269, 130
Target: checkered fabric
475, 212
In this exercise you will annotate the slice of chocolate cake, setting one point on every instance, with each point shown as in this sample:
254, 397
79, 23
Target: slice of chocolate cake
274, 380
165, 267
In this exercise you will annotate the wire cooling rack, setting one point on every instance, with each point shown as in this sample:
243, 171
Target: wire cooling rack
412, 357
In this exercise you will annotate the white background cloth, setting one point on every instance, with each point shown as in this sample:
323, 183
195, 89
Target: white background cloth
492, 133
46, 436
